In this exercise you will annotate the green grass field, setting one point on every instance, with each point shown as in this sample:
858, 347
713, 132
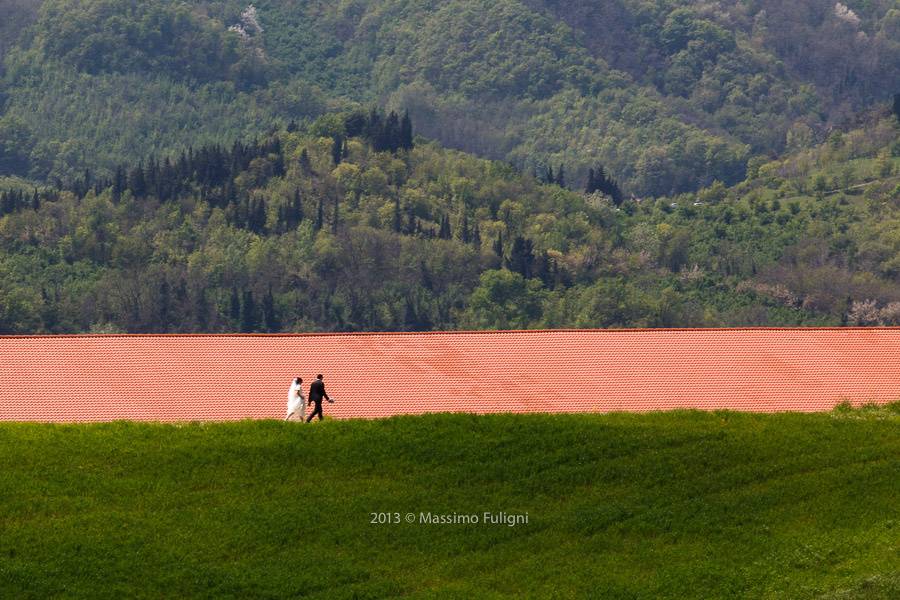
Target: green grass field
667, 505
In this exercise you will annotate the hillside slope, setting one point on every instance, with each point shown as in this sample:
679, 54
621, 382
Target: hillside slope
677, 505
310, 230
668, 96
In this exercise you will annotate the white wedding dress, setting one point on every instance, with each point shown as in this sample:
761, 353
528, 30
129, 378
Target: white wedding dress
296, 404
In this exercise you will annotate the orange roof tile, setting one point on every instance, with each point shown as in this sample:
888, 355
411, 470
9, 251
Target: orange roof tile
225, 377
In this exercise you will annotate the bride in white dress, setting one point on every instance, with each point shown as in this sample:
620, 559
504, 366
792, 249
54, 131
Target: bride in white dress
296, 404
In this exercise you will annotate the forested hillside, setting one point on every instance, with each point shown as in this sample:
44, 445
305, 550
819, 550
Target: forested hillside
668, 96
349, 225
189, 165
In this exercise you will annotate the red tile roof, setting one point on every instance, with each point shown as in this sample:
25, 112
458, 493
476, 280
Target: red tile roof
224, 377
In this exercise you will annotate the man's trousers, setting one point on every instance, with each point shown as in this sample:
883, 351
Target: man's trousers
317, 411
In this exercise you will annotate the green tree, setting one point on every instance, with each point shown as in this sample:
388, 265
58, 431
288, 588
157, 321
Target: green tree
249, 316
505, 300
337, 149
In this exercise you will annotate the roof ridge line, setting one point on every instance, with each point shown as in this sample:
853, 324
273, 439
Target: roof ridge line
448, 332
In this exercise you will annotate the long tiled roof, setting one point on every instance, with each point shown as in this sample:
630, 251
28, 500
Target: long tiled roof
224, 377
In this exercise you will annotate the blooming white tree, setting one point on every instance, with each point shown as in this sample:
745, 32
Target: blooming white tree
846, 14
239, 29
890, 314
250, 20
249, 25
864, 312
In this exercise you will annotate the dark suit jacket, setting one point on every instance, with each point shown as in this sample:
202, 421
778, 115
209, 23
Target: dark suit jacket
317, 391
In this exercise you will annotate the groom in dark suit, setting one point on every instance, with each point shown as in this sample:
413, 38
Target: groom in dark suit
316, 394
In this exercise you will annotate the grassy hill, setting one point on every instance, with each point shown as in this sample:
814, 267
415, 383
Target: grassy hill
667, 505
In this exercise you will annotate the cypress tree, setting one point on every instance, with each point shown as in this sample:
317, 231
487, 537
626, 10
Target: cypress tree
278, 169
219, 165
615, 193
86, 182
427, 282
373, 123
561, 176
601, 178
409, 315
201, 310
305, 163
248, 313
355, 124
336, 215
273, 147
406, 132
320, 214
498, 245
295, 211
241, 213
549, 178
411, 224
7, 203
50, 312
599, 181
337, 149
120, 181
298, 208
270, 317
137, 183
261, 216
154, 178
546, 270
374, 131
281, 224
392, 132
238, 158
444, 233
521, 257
897, 106
182, 172
256, 217
181, 294
234, 310
476, 236
231, 198
464, 228
35, 200
164, 305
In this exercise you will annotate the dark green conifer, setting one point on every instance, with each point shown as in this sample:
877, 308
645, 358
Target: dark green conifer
270, 316
249, 320
320, 215
337, 149
406, 132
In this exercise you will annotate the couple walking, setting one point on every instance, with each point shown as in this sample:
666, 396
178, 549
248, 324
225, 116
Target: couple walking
297, 404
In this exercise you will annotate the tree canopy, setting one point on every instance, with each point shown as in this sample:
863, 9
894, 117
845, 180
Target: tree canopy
273, 235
